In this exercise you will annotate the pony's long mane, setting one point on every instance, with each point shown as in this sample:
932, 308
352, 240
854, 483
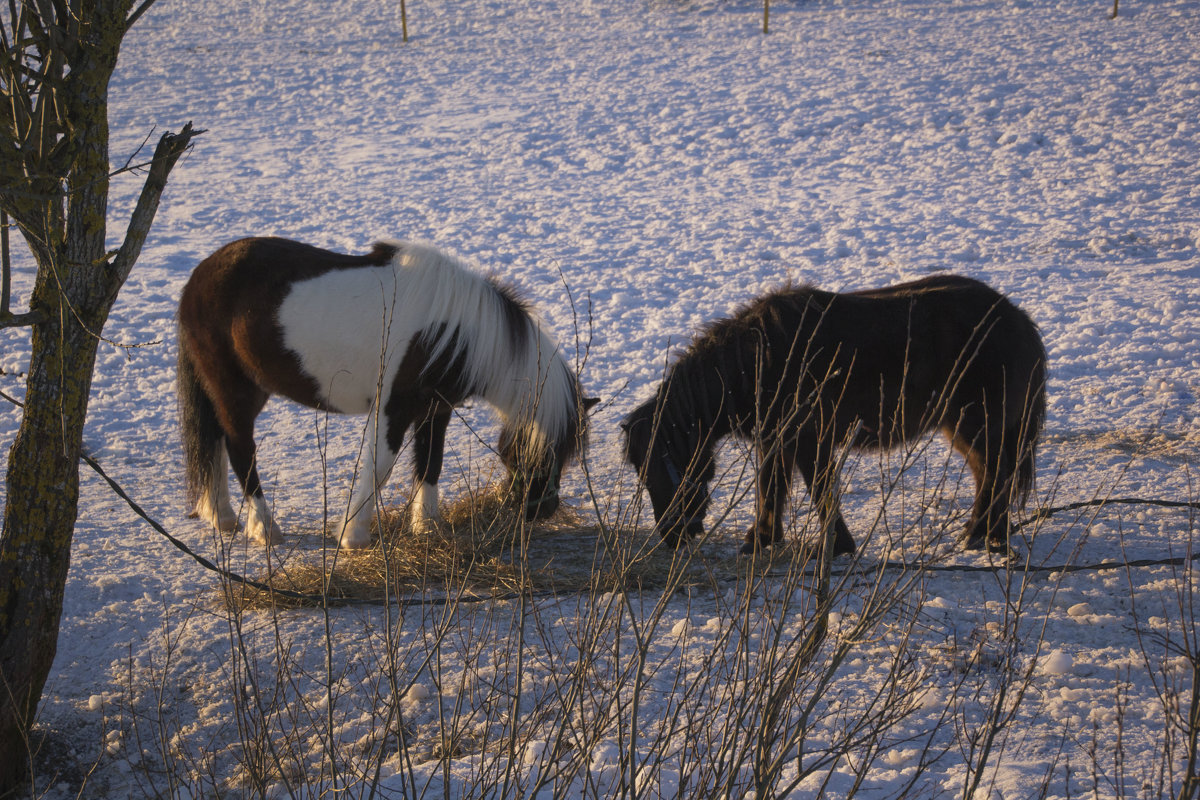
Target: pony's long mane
716, 379
521, 372
709, 391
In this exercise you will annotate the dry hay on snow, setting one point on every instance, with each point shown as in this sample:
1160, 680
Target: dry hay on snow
484, 549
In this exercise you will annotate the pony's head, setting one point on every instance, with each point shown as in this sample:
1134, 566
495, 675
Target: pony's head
674, 466
536, 460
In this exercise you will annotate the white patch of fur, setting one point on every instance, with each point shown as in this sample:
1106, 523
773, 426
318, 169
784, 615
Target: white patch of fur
351, 328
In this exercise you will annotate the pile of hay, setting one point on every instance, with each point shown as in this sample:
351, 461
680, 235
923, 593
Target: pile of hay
486, 549
479, 550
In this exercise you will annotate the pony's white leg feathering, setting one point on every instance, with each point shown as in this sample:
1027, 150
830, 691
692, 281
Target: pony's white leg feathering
425, 514
260, 526
356, 527
214, 505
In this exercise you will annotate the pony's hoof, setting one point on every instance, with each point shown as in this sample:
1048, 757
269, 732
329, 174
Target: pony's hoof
222, 521
994, 550
425, 525
759, 540
675, 538
1002, 552
267, 536
811, 554
672, 541
354, 540
987, 544
752, 546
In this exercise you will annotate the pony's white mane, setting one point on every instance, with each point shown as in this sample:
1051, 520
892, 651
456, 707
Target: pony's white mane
532, 388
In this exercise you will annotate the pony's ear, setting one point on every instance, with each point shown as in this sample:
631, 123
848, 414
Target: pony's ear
590, 402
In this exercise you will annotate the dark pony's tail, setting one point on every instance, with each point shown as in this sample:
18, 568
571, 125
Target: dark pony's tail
1031, 424
202, 434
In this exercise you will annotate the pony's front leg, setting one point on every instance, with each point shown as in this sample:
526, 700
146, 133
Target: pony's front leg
772, 485
379, 457
429, 443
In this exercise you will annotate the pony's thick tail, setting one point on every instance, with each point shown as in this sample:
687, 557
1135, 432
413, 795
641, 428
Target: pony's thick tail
202, 433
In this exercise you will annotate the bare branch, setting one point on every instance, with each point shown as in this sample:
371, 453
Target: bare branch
170, 147
5, 265
137, 14
28, 319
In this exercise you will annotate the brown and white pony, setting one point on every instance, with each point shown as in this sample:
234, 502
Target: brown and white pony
404, 333
801, 372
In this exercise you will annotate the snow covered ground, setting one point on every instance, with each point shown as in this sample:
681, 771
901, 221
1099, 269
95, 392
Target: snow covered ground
637, 169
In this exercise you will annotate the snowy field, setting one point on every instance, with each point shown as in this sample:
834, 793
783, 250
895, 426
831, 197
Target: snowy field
637, 169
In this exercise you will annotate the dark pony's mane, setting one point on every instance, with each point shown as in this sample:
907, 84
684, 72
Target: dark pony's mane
714, 381
710, 389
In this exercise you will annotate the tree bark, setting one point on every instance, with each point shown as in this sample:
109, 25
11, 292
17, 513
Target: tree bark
43, 464
39, 520
74, 291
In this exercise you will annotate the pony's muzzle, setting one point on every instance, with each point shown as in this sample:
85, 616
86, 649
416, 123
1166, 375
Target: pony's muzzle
537, 495
541, 507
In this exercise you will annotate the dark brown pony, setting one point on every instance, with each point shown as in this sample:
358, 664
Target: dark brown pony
800, 372
403, 333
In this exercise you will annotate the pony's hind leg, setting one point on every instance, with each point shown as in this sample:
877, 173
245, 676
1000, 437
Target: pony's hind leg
214, 505
218, 404
993, 464
260, 523
429, 443
206, 466
239, 444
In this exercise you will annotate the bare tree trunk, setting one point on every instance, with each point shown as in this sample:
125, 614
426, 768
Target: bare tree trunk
54, 161
39, 519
